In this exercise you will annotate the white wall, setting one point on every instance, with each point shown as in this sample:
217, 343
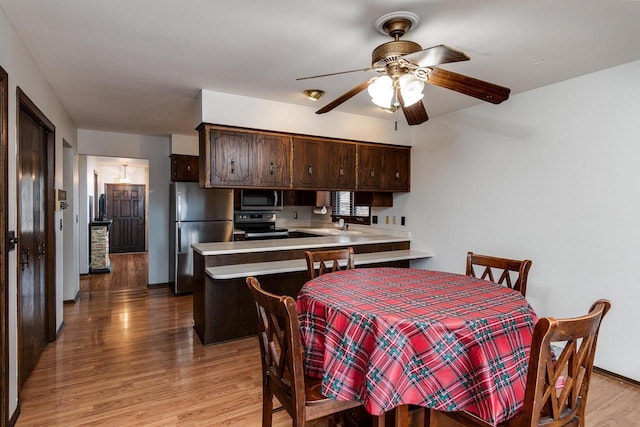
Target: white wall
71, 273
185, 144
241, 111
156, 150
23, 72
551, 175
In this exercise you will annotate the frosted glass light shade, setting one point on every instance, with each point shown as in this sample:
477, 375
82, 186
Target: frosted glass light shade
381, 91
411, 89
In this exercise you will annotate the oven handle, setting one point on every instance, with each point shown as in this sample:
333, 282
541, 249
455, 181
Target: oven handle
275, 198
253, 235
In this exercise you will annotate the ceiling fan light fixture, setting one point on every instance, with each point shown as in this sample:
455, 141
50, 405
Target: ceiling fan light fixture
411, 89
381, 91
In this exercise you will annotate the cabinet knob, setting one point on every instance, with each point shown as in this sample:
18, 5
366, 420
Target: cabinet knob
373, 173
233, 166
188, 168
341, 173
310, 170
397, 174
272, 168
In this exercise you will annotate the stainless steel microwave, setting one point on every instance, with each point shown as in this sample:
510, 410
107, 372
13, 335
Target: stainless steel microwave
260, 200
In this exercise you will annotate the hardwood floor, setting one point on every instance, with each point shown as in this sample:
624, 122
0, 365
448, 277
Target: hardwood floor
129, 270
130, 357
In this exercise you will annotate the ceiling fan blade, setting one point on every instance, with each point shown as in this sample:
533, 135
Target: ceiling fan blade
335, 74
415, 113
469, 86
436, 55
345, 96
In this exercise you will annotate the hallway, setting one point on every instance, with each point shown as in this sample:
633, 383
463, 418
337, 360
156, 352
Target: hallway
128, 355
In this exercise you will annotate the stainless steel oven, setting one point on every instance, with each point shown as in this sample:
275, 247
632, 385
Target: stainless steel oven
260, 200
259, 225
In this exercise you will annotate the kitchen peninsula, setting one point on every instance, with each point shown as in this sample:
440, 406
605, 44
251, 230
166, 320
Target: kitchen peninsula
222, 305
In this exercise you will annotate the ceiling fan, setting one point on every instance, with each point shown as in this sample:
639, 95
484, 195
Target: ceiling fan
405, 67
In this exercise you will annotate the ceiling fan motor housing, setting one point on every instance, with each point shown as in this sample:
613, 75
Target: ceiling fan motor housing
389, 52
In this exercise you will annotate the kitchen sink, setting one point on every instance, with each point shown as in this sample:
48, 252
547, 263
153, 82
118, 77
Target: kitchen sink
332, 231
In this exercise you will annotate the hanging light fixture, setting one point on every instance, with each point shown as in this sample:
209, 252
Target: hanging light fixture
124, 179
383, 90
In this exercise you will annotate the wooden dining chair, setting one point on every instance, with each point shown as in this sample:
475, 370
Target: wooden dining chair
557, 385
503, 268
329, 261
282, 355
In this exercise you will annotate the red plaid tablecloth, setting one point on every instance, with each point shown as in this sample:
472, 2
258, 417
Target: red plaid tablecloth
393, 336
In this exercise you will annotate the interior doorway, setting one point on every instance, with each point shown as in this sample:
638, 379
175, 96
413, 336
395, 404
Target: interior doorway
36, 270
97, 173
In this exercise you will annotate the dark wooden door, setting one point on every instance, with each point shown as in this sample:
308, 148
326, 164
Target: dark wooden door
4, 247
31, 289
126, 207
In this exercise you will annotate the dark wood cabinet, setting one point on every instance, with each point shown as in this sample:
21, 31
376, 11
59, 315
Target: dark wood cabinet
244, 159
373, 199
397, 167
324, 164
383, 168
184, 168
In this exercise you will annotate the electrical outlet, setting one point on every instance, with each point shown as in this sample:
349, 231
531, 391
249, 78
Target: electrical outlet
394, 220
403, 220
374, 219
386, 219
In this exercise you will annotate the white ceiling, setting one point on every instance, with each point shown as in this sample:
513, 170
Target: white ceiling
137, 66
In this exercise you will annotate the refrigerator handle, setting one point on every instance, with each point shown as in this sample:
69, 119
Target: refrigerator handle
275, 198
179, 236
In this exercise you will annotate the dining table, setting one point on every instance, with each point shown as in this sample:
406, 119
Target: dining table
394, 337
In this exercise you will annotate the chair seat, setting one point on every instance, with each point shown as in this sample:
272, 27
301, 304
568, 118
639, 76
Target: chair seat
312, 391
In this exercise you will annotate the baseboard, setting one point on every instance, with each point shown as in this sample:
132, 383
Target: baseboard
157, 285
60, 330
616, 376
74, 300
14, 418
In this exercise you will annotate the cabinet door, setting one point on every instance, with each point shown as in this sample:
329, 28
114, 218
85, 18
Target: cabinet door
324, 164
271, 161
306, 163
184, 168
370, 173
397, 167
230, 157
339, 170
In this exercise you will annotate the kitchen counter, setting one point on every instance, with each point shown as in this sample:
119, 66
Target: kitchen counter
249, 246
223, 308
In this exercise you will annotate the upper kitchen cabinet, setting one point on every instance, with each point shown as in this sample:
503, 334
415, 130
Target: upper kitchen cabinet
383, 168
239, 158
184, 168
323, 164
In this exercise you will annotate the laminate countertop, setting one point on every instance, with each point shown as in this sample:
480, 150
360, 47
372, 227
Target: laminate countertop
250, 246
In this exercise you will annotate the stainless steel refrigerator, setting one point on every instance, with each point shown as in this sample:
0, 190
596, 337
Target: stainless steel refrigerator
197, 215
